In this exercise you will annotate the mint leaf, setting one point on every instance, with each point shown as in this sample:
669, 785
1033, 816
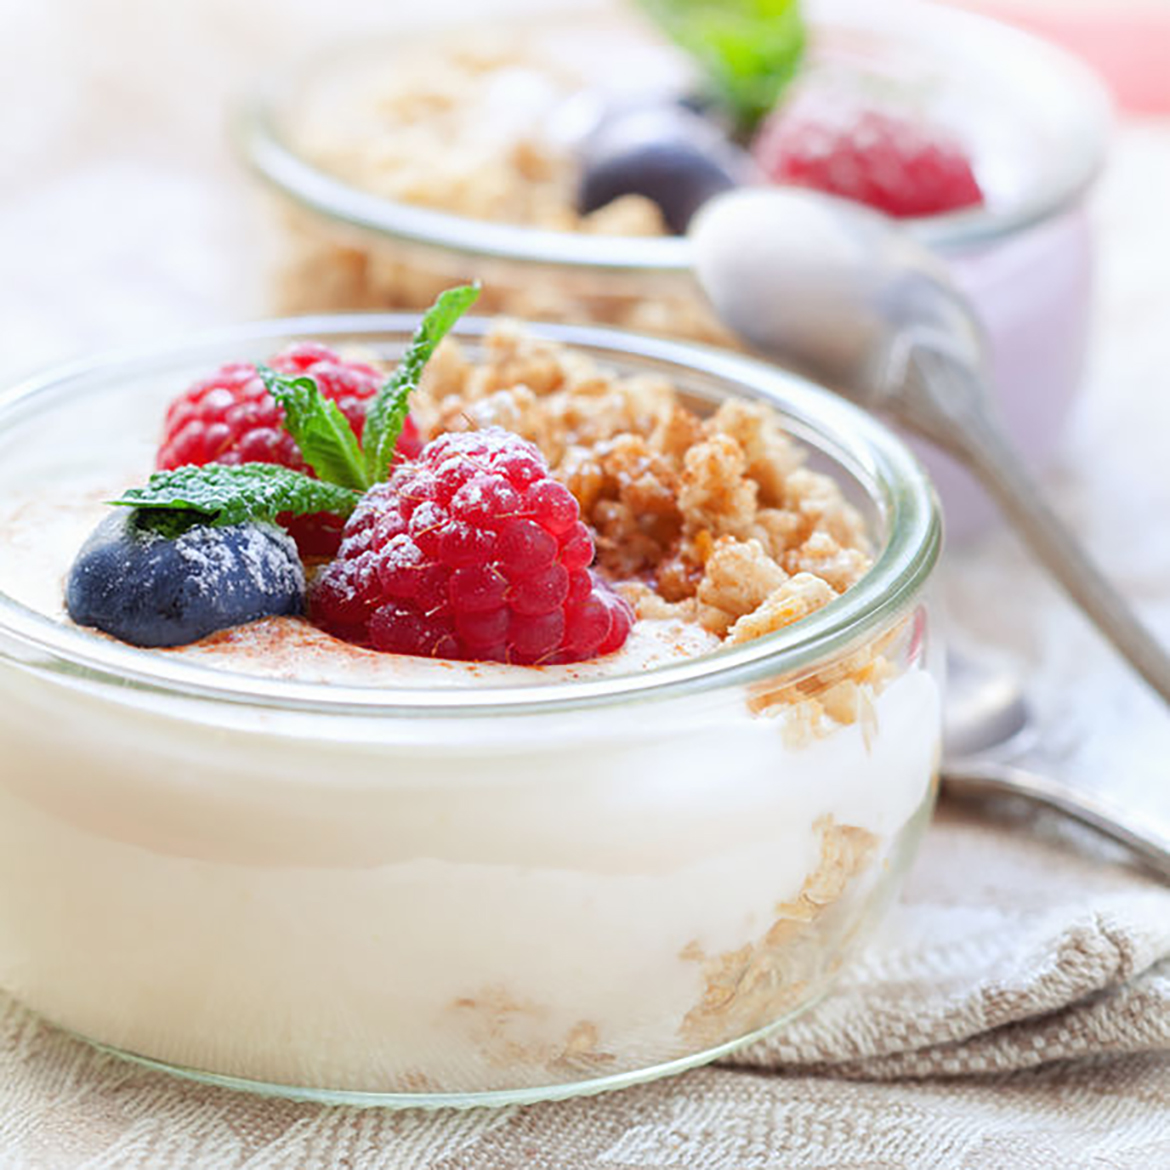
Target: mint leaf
226, 495
322, 432
167, 522
749, 49
388, 411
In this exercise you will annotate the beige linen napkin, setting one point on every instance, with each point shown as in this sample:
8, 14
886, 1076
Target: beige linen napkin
1015, 1013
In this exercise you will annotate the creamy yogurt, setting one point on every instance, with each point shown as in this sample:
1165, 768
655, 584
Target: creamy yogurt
433, 904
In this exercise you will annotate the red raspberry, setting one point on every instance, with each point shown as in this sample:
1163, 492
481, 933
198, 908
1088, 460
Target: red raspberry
473, 551
900, 166
231, 418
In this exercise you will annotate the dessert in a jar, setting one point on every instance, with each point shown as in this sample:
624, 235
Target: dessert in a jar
556, 161
529, 715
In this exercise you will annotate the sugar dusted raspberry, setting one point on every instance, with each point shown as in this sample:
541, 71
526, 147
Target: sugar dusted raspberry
894, 163
231, 418
472, 551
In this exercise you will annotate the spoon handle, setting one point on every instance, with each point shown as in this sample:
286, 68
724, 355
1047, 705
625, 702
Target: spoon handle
986, 778
944, 400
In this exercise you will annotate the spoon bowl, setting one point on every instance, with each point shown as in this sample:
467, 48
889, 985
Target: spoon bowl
824, 285
991, 747
985, 710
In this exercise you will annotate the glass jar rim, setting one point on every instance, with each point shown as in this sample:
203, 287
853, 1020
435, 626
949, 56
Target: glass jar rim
1034, 62
891, 474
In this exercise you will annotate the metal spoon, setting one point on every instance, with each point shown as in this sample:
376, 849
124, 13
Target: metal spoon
988, 727
985, 710
838, 293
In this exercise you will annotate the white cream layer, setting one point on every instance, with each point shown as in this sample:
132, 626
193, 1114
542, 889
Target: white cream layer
358, 903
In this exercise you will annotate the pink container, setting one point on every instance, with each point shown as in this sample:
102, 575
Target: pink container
1032, 291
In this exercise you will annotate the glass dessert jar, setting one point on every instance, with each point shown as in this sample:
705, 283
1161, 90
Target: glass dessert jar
1034, 120
502, 885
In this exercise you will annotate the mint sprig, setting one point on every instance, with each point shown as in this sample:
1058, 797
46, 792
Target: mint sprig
224, 495
749, 49
319, 429
323, 433
387, 413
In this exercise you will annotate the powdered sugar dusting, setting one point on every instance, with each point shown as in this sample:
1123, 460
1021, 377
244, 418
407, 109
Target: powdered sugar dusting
210, 560
266, 554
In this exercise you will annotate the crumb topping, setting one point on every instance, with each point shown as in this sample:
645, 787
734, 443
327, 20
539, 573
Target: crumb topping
460, 126
741, 990
715, 520
510, 1032
757, 983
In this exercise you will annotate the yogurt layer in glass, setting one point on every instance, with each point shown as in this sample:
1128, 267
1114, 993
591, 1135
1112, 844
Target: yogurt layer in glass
281, 862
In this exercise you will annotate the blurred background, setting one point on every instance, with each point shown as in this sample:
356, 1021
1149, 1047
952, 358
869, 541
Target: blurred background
123, 214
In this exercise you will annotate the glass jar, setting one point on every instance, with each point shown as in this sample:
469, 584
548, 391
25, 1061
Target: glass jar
480, 893
1036, 122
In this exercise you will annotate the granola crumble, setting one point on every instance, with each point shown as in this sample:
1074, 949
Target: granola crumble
715, 520
743, 989
436, 127
509, 1033
757, 983
457, 126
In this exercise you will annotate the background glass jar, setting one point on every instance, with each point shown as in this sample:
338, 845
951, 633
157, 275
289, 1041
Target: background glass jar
474, 894
1035, 120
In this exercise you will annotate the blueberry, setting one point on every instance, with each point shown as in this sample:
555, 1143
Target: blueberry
666, 152
151, 589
